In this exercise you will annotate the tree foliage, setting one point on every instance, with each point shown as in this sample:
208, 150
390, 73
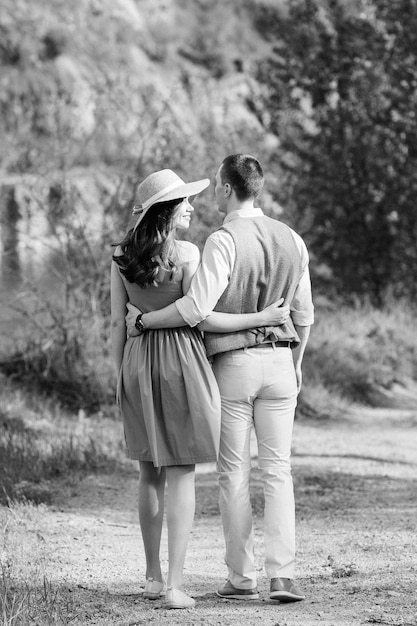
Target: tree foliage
343, 78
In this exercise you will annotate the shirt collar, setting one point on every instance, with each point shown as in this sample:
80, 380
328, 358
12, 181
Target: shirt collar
234, 215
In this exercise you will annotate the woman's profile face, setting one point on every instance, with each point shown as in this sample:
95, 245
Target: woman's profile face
182, 216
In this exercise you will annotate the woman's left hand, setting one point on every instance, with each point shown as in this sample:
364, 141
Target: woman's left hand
130, 319
275, 314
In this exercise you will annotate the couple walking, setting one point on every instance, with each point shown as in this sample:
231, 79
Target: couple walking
247, 308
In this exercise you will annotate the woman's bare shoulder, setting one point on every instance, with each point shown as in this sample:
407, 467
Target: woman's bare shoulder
187, 251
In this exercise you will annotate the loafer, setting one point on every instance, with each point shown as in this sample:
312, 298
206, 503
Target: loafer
177, 599
153, 589
285, 590
233, 593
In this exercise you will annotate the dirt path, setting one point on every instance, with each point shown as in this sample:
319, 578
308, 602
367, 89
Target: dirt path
356, 490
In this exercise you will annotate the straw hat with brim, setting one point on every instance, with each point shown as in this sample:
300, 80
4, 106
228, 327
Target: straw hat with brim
163, 186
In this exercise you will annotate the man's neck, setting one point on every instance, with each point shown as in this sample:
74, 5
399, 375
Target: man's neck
236, 205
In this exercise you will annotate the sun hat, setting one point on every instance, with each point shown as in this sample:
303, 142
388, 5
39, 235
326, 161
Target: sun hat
163, 186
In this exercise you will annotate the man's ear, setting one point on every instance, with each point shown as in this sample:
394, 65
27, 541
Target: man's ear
227, 190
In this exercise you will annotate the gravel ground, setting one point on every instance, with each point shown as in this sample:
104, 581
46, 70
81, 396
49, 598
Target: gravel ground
355, 482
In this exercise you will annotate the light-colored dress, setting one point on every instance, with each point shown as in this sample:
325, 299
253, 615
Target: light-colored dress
167, 392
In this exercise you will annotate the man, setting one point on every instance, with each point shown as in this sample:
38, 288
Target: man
250, 262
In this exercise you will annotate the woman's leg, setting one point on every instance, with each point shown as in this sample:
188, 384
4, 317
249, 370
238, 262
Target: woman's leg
180, 516
151, 514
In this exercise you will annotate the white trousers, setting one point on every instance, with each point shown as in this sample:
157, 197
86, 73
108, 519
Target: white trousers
258, 388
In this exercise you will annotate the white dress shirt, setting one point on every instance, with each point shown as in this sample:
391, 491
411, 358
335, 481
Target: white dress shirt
213, 275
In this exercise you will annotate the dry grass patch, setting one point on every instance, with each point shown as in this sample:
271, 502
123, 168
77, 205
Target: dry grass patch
361, 355
41, 443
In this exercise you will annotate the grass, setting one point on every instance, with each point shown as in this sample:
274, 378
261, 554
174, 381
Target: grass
27, 595
41, 443
354, 484
43, 451
357, 355
46, 450
341, 569
30, 604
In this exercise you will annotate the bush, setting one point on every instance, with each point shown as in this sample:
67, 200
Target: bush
10, 52
359, 353
28, 463
54, 42
64, 347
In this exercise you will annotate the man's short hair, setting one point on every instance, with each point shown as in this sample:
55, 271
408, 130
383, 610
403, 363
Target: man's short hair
245, 175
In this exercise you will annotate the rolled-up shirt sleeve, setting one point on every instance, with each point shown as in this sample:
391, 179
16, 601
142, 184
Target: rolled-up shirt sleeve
210, 280
301, 307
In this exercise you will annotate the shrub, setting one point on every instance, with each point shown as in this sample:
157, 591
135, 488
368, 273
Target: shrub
10, 52
359, 352
54, 42
64, 344
28, 462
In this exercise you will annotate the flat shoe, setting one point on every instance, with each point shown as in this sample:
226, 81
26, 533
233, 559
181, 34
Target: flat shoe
231, 592
153, 589
285, 590
176, 599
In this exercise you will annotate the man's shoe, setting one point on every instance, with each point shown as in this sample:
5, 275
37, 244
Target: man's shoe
284, 590
232, 593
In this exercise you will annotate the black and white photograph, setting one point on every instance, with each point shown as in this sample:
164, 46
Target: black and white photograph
208, 312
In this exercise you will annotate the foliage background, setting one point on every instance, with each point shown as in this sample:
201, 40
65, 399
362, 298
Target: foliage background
94, 95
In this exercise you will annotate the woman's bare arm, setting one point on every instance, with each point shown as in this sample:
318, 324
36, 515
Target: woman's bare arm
118, 298
273, 315
169, 317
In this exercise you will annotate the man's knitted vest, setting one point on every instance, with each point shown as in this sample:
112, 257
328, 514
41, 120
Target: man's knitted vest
267, 267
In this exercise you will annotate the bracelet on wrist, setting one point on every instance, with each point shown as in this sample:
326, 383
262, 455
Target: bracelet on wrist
139, 325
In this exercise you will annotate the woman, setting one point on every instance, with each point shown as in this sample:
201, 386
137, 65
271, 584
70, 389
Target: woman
167, 392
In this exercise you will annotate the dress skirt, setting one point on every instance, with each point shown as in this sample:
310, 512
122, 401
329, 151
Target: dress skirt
169, 398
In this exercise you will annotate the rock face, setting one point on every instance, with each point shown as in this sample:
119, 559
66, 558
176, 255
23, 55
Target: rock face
111, 81
96, 94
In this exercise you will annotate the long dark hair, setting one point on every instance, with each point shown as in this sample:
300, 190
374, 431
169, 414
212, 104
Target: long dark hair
150, 246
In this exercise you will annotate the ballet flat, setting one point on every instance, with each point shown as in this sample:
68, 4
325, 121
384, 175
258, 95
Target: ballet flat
176, 599
153, 589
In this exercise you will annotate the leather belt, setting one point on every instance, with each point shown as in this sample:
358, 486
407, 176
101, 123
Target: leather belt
276, 344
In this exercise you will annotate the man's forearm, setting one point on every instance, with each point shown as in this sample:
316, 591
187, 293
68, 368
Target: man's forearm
169, 317
298, 353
